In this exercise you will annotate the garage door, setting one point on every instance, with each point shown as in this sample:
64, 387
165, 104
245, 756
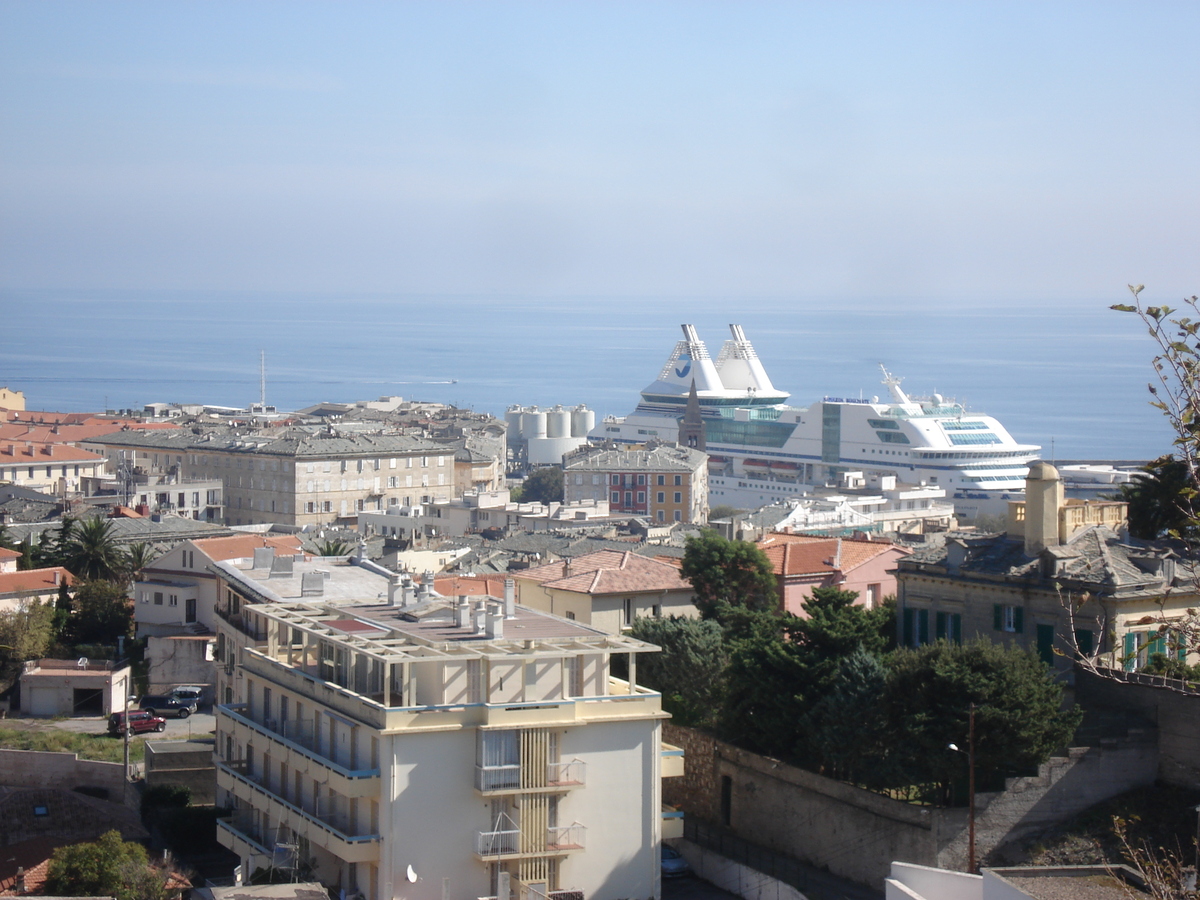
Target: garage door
44, 702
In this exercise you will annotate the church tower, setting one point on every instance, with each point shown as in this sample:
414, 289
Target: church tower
691, 426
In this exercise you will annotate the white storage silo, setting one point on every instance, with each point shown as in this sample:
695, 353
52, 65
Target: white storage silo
583, 420
533, 424
558, 423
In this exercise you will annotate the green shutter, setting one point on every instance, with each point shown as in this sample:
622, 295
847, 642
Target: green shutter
956, 627
1086, 640
907, 639
1180, 646
997, 617
1019, 620
1130, 654
939, 627
1045, 643
923, 625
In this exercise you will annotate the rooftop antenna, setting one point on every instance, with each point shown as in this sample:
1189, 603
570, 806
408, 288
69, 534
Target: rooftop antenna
262, 381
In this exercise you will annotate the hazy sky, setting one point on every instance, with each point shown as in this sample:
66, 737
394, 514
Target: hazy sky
973, 151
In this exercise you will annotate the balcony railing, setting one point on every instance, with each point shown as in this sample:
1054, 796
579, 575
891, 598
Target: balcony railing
490, 844
333, 822
508, 777
296, 735
240, 622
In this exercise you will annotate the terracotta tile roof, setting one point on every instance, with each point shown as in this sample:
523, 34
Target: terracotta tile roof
70, 433
5, 553
35, 453
608, 572
41, 580
242, 546
473, 586
808, 555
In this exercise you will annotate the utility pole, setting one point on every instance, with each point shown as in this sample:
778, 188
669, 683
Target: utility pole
971, 789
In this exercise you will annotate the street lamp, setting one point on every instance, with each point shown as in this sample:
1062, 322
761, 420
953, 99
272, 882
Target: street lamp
970, 787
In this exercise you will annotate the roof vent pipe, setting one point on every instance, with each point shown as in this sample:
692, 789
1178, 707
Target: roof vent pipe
510, 599
393, 588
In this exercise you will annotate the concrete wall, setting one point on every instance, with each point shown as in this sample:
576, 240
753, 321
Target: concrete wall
1165, 702
180, 660
734, 877
35, 768
857, 834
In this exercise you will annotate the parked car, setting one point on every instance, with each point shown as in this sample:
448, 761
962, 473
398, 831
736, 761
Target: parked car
139, 722
673, 863
167, 705
191, 692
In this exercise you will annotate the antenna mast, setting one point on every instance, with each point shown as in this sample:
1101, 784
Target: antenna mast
262, 381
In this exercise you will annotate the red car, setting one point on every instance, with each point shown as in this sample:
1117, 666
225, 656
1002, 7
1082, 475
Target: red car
139, 722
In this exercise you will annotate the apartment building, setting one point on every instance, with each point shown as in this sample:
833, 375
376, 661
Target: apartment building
662, 482
423, 747
51, 468
297, 477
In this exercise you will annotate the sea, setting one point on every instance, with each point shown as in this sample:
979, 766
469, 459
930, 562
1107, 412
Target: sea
1069, 376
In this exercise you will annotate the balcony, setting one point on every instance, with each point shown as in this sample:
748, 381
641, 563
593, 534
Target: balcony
331, 831
494, 845
560, 776
296, 748
240, 828
240, 622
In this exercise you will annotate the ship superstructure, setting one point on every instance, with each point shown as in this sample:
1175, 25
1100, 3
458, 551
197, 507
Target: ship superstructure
753, 434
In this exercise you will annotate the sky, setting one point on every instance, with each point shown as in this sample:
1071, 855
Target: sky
972, 152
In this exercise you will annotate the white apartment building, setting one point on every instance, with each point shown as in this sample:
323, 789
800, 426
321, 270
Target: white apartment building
429, 748
57, 469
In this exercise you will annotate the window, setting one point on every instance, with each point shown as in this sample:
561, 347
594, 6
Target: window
1008, 618
662, 479
678, 480
578, 478
915, 627
662, 516
1085, 640
173, 600
616, 498
616, 479
441, 461
641, 479
678, 496
158, 598
629, 498
873, 595
948, 627
570, 615
678, 516
641, 496
628, 611
596, 479
328, 506
1045, 643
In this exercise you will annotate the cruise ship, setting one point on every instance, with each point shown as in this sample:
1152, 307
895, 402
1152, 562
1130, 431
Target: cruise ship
761, 447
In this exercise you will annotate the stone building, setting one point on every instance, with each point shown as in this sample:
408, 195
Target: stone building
1063, 577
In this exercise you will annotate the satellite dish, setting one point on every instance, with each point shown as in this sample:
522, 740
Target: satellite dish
412, 875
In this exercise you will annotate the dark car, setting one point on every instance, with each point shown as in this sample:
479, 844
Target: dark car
168, 706
673, 863
138, 722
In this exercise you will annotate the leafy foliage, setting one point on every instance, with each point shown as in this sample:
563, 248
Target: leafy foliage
1019, 721
544, 485
90, 551
108, 867
333, 548
690, 670
1161, 500
102, 613
27, 631
728, 573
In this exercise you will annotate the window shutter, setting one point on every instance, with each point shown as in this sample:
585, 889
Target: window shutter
907, 639
955, 628
1130, 653
1018, 620
939, 627
923, 625
997, 617
1086, 641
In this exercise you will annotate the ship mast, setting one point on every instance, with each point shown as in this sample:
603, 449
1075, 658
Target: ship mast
893, 386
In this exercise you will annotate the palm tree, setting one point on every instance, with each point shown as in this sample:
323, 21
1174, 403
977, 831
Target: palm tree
333, 548
1161, 502
93, 552
137, 558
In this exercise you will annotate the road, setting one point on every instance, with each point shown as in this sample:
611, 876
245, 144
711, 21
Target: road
200, 725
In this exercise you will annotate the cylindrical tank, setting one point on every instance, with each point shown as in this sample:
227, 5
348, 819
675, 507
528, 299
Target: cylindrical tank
583, 420
512, 418
558, 423
533, 424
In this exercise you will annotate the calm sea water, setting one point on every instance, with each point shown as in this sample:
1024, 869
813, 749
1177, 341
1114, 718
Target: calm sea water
1072, 377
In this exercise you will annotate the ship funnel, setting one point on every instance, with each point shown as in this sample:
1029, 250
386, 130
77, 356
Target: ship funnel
740, 369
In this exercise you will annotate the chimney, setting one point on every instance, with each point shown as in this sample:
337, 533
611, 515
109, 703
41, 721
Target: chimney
1043, 500
462, 612
408, 595
427, 584
479, 617
57, 577
510, 599
495, 623
20, 885
393, 587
